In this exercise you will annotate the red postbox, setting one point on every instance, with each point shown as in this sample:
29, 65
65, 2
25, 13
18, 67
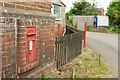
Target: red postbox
31, 44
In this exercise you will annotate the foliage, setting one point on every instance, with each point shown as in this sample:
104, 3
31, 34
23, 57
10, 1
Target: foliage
81, 8
69, 18
85, 66
115, 28
68, 14
84, 8
69, 21
44, 75
113, 11
88, 28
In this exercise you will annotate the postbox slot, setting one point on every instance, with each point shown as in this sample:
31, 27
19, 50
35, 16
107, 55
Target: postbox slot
29, 34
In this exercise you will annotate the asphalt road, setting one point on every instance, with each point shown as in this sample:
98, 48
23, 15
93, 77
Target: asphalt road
106, 45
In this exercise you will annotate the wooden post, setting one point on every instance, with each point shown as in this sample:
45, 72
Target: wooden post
77, 25
73, 73
99, 59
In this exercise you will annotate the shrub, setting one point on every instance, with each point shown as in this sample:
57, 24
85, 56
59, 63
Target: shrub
88, 28
44, 75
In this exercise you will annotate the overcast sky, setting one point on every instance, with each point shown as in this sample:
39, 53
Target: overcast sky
100, 3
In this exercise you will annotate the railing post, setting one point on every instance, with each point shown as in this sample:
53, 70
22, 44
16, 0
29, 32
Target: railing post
85, 24
77, 25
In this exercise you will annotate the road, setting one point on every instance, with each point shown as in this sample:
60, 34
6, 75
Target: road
106, 45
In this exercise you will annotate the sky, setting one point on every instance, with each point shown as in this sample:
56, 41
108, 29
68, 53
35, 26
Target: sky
100, 3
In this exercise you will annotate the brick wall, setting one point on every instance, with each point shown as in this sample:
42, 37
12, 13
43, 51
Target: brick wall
59, 29
45, 44
32, 6
8, 48
14, 62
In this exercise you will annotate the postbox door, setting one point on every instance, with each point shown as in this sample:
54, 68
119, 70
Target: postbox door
31, 44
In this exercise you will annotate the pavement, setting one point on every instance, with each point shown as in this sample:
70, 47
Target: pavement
106, 45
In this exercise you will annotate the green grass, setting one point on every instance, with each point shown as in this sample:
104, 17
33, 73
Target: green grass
45, 75
88, 28
85, 66
114, 28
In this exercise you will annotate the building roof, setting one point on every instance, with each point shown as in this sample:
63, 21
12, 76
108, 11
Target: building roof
62, 3
56, 1
100, 9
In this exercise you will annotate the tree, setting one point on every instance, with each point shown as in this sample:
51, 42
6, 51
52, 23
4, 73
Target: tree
68, 14
113, 11
84, 8
81, 8
68, 18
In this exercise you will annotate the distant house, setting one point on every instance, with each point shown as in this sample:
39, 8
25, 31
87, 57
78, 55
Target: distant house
58, 10
101, 11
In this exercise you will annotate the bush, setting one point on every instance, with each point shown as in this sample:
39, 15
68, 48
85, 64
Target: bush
88, 28
44, 75
116, 29
69, 22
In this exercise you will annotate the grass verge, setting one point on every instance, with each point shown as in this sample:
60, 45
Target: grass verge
87, 65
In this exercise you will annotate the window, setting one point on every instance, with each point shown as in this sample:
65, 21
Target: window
56, 11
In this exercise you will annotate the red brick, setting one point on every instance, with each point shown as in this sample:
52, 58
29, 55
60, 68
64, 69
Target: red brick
4, 63
27, 23
21, 35
5, 48
6, 44
33, 4
21, 39
12, 56
22, 48
29, 8
22, 55
21, 30
37, 9
1, 40
22, 52
20, 22
24, 3
12, 38
21, 44
20, 7
9, 5
1, 4
22, 70
10, 30
5, 58
6, 34
15, 2
22, 64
